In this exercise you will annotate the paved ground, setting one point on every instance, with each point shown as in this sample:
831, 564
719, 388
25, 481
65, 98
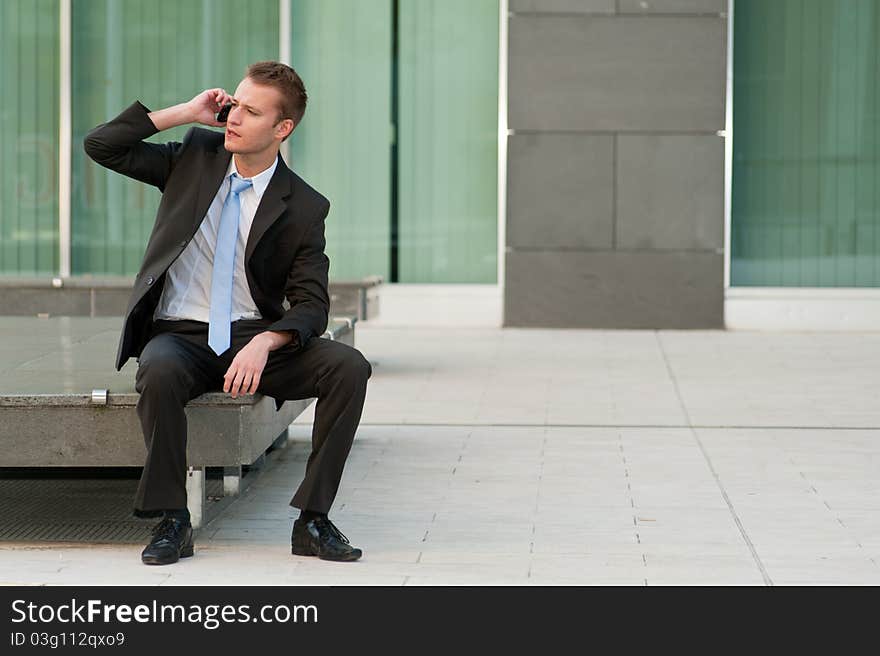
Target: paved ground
566, 457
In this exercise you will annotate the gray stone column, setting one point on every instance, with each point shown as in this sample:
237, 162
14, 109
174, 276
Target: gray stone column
615, 188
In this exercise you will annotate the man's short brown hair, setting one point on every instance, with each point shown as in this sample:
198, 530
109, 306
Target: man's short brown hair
287, 82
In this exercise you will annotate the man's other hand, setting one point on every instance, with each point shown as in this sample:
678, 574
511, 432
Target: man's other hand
243, 375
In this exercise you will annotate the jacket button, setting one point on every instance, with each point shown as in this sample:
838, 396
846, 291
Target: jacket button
183, 244
149, 280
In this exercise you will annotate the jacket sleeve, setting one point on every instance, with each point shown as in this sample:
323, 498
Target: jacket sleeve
306, 288
119, 146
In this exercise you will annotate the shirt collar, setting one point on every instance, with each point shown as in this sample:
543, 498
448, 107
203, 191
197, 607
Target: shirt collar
260, 180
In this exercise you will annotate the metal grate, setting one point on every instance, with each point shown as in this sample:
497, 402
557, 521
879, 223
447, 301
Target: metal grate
93, 509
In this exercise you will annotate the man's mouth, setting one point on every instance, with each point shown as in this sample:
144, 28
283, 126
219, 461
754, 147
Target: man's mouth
231, 133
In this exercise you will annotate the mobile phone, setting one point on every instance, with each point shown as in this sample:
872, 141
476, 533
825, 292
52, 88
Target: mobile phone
223, 113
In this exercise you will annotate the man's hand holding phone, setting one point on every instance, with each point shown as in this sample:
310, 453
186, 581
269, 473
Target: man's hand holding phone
207, 105
201, 109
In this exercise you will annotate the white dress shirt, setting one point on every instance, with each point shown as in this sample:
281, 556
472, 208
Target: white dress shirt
187, 290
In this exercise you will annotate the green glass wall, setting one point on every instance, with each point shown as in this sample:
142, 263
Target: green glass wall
29, 137
342, 51
448, 141
806, 112
162, 53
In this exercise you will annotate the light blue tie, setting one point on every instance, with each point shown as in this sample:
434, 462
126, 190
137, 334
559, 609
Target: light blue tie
224, 265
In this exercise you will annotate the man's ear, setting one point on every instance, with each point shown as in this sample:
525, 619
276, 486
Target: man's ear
284, 128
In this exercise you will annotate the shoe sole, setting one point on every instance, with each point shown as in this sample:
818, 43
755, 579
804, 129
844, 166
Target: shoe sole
186, 552
303, 551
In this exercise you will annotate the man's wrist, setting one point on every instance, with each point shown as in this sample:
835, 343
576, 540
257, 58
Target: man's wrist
275, 339
171, 117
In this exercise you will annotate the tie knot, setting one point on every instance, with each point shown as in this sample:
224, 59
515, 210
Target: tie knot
239, 184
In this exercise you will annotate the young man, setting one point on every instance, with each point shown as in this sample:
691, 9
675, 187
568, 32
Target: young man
236, 232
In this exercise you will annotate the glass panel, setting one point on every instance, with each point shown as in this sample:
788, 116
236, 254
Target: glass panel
342, 51
448, 141
161, 53
29, 137
805, 159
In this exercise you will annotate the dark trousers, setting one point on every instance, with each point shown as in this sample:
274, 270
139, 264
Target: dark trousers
177, 365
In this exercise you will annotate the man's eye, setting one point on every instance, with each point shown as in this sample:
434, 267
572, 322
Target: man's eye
250, 111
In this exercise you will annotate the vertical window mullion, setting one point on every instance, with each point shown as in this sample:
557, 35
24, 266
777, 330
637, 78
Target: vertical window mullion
64, 140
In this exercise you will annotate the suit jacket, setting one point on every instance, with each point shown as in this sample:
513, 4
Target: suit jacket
284, 257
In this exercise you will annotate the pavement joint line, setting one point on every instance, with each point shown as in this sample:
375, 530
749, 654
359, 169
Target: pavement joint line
708, 460
830, 509
632, 502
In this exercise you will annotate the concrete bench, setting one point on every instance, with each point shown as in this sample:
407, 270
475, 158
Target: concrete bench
62, 404
359, 298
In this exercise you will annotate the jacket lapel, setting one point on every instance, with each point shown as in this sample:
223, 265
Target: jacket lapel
210, 178
272, 205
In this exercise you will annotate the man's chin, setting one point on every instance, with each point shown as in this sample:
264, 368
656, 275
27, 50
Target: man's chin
231, 146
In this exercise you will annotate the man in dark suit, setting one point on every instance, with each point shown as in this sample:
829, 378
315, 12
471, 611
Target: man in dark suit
236, 232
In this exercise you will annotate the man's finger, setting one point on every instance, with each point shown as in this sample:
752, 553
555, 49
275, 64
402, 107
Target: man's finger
246, 382
240, 385
236, 383
255, 383
228, 378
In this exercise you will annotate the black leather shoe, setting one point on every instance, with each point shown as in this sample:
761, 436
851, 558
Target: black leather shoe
319, 537
172, 540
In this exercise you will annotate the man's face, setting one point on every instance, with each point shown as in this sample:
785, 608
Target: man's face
252, 125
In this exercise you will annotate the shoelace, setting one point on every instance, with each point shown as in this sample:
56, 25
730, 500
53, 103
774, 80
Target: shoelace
325, 521
167, 528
